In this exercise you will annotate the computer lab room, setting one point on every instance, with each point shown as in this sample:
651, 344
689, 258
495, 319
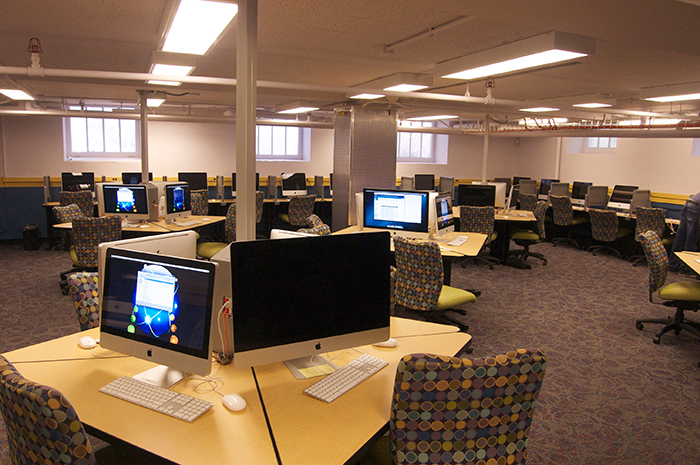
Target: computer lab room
370, 232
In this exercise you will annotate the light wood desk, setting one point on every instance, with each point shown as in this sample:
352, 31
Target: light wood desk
306, 430
689, 258
162, 227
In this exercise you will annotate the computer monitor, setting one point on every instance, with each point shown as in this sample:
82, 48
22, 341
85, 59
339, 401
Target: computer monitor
294, 299
196, 181
286, 234
517, 179
73, 182
293, 184
233, 183
443, 217
528, 186
403, 213
513, 195
545, 184
177, 201
134, 178
128, 201
406, 183
476, 195
501, 192
447, 184
578, 192
158, 308
597, 197
560, 189
621, 196
424, 182
504, 180
640, 198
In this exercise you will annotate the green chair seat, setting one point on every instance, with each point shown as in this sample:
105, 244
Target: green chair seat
684, 290
73, 256
209, 249
525, 235
451, 297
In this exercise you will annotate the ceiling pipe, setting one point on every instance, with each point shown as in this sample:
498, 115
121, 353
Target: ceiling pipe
428, 33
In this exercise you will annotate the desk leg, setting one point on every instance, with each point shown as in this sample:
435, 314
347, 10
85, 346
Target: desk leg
49, 228
501, 246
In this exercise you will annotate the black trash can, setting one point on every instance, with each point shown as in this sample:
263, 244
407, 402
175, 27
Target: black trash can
30, 237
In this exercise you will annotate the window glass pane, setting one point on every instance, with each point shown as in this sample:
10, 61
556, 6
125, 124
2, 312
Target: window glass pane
293, 141
403, 144
265, 140
613, 142
112, 135
592, 142
78, 135
415, 145
278, 140
95, 135
603, 142
427, 146
128, 132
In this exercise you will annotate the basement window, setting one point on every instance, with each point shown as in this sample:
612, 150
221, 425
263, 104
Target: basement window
102, 139
282, 143
421, 147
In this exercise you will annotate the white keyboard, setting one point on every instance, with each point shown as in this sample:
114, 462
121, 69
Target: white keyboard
341, 381
459, 240
156, 398
187, 223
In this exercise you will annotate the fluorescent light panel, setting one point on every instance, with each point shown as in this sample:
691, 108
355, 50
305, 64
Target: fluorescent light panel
16, 94
405, 88
675, 98
432, 118
515, 64
294, 111
366, 96
592, 105
539, 109
197, 25
154, 102
294, 108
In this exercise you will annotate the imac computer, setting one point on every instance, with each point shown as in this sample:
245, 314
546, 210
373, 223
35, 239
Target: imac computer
158, 308
640, 198
293, 184
233, 183
73, 182
528, 186
621, 197
447, 184
578, 192
424, 182
196, 181
597, 197
500, 200
504, 180
517, 179
177, 201
513, 195
560, 189
403, 213
545, 184
294, 299
476, 195
443, 218
134, 178
128, 201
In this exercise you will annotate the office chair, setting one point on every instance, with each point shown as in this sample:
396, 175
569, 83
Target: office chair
82, 199
564, 219
83, 288
527, 202
526, 237
66, 214
316, 226
300, 208
448, 410
199, 201
605, 227
650, 219
528, 186
209, 249
418, 282
479, 220
684, 295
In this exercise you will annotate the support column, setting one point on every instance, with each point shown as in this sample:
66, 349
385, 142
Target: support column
485, 159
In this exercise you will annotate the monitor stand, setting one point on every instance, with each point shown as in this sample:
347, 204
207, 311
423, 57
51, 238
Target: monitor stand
309, 367
161, 376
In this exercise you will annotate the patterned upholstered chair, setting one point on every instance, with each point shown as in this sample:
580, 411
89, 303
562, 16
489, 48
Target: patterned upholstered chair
479, 220
650, 219
66, 214
447, 410
83, 288
316, 226
605, 228
300, 208
83, 199
209, 249
199, 200
526, 237
419, 285
527, 201
684, 295
564, 218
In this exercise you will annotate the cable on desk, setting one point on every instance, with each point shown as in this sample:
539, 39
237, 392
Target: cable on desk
267, 419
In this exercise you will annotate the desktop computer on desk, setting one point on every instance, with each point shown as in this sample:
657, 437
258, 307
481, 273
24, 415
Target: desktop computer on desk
621, 197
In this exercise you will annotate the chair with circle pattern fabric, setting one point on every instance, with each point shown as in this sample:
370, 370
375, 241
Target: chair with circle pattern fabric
650, 219
83, 199
300, 208
565, 219
316, 226
199, 202
479, 220
606, 229
66, 214
527, 202
83, 288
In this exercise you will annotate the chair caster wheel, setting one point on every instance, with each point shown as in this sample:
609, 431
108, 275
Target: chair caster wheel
490, 267
656, 340
639, 326
544, 263
528, 267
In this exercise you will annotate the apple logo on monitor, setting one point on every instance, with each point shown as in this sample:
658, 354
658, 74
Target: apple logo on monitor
156, 304
318, 346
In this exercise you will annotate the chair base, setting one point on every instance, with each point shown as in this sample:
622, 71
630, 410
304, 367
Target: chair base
595, 248
522, 255
483, 258
565, 240
434, 316
676, 324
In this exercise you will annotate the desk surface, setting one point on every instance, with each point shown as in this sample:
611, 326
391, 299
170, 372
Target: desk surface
513, 215
306, 430
689, 258
160, 227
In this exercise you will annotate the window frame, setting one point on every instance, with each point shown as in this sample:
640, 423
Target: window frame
70, 155
410, 136
303, 143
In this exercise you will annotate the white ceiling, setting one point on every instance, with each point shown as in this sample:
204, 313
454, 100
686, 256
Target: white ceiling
323, 47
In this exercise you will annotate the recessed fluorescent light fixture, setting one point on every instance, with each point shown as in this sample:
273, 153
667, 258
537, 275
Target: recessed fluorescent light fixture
154, 102
675, 98
592, 105
16, 94
400, 82
432, 118
405, 88
366, 96
540, 50
539, 109
673, 93
294, 108
197, 25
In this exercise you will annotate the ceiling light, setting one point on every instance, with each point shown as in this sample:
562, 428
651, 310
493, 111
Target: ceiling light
675, 98
171, 64
542, 121
432, 118
405, 88
540, 50
295, 108
592, 105
16, 94
366, 96
400, 82
673, 93
539, 109
154, 102
197, 24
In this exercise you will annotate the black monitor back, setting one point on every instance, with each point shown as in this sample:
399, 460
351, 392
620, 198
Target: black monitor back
476, 195
74, 182
517, 179
622, 194
134, 178
424, 182
580, 189
196, 181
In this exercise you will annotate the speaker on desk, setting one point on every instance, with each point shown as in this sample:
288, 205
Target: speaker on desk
219, 188
47, 189
360, 209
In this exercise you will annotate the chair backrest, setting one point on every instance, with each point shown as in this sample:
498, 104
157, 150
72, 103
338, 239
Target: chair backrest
83, 288
657, 260
199, 201
300, 208
316, 226
448, 410
419, 273
604, 224
83, 199
540, 213
88, 233
477, 219
67, 213
562, 212
650, 219
259, 198
527, 201
230, 223
42, 426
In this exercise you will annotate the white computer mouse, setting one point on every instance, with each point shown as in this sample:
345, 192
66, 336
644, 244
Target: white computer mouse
206, 219
143, 226
233, 402
391, 342
86, 342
